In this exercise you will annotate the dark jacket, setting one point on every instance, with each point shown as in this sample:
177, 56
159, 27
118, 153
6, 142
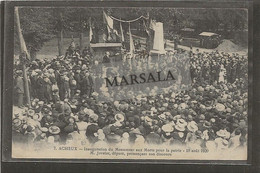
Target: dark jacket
106, 59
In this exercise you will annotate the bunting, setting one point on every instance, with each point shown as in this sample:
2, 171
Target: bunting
129, 21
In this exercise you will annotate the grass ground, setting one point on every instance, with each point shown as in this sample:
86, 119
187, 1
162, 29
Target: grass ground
50, 49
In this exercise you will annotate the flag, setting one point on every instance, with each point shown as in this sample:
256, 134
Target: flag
122, 34
109, 38
108, 20
132, 47
152, 24
146, 29
90, 31
23, 47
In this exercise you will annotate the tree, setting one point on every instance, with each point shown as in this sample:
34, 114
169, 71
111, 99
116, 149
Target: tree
37, 28
59, 28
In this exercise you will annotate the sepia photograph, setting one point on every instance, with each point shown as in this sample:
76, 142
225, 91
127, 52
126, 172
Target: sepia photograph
147, 83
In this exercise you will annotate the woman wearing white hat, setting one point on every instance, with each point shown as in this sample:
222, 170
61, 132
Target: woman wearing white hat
167, 130
192, 140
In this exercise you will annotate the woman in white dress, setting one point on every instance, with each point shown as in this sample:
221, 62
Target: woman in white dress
222, 74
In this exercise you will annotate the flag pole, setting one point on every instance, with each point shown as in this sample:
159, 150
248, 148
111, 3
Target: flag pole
132, 48
23, 50
122, 34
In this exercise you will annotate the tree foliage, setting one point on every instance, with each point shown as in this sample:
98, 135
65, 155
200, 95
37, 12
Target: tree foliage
39, 25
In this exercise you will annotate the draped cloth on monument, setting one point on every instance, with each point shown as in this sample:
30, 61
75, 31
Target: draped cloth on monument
158, 43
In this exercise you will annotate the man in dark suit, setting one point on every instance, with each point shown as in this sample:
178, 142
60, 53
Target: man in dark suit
40, 86
87, 84
19, 86
106, 58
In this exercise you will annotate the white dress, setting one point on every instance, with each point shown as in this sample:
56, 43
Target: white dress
222, 74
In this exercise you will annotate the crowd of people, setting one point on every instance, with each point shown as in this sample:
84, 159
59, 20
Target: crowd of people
64, 106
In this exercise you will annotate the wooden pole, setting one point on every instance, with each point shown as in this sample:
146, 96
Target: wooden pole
60, 42
23, 50
81, 33
60, 34
26, 86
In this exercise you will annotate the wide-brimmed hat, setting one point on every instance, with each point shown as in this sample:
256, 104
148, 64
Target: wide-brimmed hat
148, 119
19, 71
17, 123
200, 89
220, 107
78, 91
167, 128
176, 117
40, 102
162, 116
192, 126
44, 129
119, 117
207, 124
93, 116
54, 130
74, 102
37, 117
223, 133
31, 112
181, 124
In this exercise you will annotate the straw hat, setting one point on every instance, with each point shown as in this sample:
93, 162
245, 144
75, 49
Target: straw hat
31, 112
192, 126
17, 123
119, 117
220, 107
148, 119
93, 116
162, 116
223, 133
41, 103
37, 117
44, 129
181, 124
167, 128
54, 130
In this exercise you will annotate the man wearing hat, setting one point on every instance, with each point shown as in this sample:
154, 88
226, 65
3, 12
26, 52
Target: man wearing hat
19, 86
153, 137
91, 133
40, 86
113, 137
77, 77
87, 84
33, 79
